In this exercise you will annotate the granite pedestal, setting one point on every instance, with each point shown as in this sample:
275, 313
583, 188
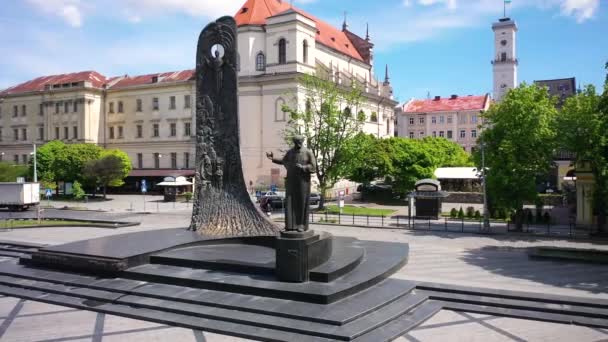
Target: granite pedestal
299, 252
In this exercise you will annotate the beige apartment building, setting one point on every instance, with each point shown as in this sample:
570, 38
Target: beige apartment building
456, 118
152, 117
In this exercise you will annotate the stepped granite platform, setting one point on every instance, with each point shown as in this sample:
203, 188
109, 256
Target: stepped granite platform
228, 286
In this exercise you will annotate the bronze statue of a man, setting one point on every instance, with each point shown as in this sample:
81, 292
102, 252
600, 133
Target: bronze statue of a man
300, 164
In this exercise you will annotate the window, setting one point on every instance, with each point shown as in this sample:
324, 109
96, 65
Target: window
155, 103
140, 161
473, 133
186, 160
155, 130
16, 158
449, 119
434, 134
260, 62
441, 119
40, 133
411, 120
449, 134
173, 160
474, 119
421, 120
16, 134
463, 134
503, 57
57, 106
0, 136
56, 133
75, 132
66, 107
75, 107
279, 114
411, 135
66, 133
282, 51
187, 101
156, 160
24, 134
23, 110
434, 120
305, 52
373, 117
111, 110
138, 105
111, 132
41, 109
187, 131
173, 129
172, 102
463, 118
120, 107
120, 132
140, 131
15, 111
24, 158
441, 134
421, 134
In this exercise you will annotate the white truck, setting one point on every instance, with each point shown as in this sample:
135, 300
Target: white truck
19, 196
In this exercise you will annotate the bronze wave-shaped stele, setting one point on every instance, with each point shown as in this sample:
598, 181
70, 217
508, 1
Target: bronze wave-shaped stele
222, 206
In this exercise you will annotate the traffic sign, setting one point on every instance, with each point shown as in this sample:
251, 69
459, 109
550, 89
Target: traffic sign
48, 193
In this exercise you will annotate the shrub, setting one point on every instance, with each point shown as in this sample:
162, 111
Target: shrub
77, 191
453, 213
470, 212
501, 213
477, 215
188, 196
460, 213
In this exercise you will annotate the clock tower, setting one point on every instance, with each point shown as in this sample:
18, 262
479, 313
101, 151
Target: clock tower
504, 63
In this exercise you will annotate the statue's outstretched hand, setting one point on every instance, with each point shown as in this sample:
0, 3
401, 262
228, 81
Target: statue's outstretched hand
269, 155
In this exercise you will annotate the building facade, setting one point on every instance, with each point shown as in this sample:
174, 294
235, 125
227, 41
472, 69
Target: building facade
561, 88
456, 118
152, 117
505, 62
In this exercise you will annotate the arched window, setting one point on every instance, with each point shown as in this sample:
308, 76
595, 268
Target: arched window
279, 114
282, 51
260, 62
348, 112
305, 52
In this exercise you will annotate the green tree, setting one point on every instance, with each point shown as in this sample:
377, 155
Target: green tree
449, 153
325, 119
582, 126
70, 164
366, 158
519, 141
411, 162
109, 170
77, 191
9, 172
46, 161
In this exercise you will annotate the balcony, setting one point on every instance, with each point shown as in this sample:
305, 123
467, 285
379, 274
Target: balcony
505, 61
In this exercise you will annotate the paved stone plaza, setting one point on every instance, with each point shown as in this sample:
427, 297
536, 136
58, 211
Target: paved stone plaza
498, 262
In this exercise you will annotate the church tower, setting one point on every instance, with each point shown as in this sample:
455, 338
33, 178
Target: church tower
504, 64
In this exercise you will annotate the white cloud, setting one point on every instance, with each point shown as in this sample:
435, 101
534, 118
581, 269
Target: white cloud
68, 10
581, 9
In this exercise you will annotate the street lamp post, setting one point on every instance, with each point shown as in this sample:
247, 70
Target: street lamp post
36, 181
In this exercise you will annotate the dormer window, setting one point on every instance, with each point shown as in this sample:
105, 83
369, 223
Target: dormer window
260, 62
282, 51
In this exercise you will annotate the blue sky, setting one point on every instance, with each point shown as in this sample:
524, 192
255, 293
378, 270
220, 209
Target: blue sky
439, 46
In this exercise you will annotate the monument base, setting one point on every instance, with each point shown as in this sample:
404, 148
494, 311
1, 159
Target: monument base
299, 252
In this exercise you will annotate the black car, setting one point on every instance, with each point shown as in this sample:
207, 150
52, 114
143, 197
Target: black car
314, 198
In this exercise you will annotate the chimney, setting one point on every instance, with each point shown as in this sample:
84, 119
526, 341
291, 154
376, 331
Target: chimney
453, 97
437, 98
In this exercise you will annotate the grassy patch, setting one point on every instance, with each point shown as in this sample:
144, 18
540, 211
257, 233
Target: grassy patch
46, 223
359, 211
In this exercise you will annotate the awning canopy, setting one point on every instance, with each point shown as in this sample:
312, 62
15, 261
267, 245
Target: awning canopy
161, 172
428, 194
174, 181
457, 173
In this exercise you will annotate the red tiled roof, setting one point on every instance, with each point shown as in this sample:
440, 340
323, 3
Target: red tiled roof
38, 84
255, 12
165, 77
447, 104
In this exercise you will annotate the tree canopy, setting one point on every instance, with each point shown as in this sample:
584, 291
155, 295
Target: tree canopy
9, 172
110, 169
519, 143
326, 118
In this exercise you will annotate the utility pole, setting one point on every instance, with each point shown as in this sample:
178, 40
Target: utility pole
38, 218
486, 216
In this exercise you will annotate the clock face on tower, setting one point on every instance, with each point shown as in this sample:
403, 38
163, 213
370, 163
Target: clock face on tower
503, 42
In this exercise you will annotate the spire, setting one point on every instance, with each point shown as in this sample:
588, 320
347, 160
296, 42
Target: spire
386, 78
345, 23
367, 32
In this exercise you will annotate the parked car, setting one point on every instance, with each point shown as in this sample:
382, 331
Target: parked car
314, 198
275, 200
